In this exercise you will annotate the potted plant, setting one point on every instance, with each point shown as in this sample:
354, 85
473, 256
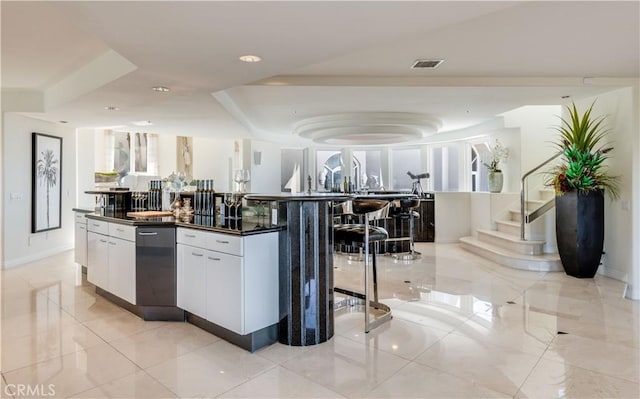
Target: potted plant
498, 153
580, 182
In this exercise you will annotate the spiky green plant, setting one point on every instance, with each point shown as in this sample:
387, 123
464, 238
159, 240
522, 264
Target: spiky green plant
584, 152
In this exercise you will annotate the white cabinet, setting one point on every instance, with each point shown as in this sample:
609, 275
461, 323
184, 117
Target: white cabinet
225, 291
111, 261
230, 287
97, 257
122, 269
80, 239
191, 279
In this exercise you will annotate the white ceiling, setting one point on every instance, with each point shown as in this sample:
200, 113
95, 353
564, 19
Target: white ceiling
319, 58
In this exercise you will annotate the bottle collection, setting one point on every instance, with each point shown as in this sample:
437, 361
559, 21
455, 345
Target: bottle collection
202, 206
204, 198
346, 187
154, 198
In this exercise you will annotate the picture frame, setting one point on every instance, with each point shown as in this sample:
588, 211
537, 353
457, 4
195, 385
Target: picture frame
46, 182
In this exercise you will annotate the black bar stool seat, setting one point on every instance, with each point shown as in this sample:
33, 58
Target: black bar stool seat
366, 236
408, 211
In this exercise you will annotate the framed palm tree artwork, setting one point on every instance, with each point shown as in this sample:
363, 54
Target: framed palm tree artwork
46, 180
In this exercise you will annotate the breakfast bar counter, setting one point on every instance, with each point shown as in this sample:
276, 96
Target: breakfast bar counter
306, 266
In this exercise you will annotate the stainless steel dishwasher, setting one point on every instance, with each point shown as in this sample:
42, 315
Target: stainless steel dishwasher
156, 281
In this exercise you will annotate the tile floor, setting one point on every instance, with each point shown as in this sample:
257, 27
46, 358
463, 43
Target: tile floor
462, 327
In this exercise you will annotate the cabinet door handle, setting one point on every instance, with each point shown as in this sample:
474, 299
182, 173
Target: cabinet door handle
196, 254
120, 230
222, 242
190, 236
210, 258
112, 243
95, 224
103, 240
82, 227
148, 234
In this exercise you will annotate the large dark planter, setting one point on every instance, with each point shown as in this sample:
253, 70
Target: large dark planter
580, 232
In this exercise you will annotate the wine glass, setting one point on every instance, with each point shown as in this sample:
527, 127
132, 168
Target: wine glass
239, 178
181, 177
228, 200
237, 202
246, 178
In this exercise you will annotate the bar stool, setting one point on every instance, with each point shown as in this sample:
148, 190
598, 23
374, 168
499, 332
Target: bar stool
366, 236
343, 215
408, 211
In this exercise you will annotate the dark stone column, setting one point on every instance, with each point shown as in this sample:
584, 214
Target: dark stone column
306, 273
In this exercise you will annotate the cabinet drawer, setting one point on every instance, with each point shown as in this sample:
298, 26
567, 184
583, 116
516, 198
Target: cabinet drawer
225, 243
192, 237
80, 217
98, 226
122, 231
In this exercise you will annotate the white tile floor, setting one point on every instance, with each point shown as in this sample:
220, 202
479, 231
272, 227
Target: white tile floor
462, 327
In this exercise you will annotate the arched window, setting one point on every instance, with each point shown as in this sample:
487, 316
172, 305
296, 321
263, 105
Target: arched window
331, 173
475, 165
480, 154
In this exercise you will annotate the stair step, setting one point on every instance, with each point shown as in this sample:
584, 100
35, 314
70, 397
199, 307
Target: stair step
534, 204
505, 257
511, 242
547, 193
509, 227
515, 214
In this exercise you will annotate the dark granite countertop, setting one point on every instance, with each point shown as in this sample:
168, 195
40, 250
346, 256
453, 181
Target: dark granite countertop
283, 197
199, 223
131, 221
244, 229
83, 210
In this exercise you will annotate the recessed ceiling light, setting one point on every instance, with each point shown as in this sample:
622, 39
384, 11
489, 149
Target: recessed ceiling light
111, 108
250, 58
142, 123
161, 89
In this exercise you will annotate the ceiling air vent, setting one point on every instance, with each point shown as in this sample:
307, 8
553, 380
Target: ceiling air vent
426, 64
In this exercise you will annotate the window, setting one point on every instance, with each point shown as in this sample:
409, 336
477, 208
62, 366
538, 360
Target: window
330, 174
475, 165
369, 169
403, 161
446, 168
481, 172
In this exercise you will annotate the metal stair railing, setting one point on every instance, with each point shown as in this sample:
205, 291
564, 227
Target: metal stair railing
523, 198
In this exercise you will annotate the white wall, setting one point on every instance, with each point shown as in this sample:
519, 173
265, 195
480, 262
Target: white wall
101, 150
85, 160
265, 178
167, 156
20, 246
537, 138
619, 240
212, 159
452, 216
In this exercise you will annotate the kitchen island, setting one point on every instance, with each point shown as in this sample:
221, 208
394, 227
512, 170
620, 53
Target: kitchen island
222, 279
265, 277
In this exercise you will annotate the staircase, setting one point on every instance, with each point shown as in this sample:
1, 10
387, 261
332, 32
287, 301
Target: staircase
504, 245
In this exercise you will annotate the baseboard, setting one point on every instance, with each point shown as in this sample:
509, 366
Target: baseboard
35, 257
630, 293
613, 273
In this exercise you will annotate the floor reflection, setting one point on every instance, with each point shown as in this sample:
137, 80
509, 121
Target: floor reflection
462, 327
